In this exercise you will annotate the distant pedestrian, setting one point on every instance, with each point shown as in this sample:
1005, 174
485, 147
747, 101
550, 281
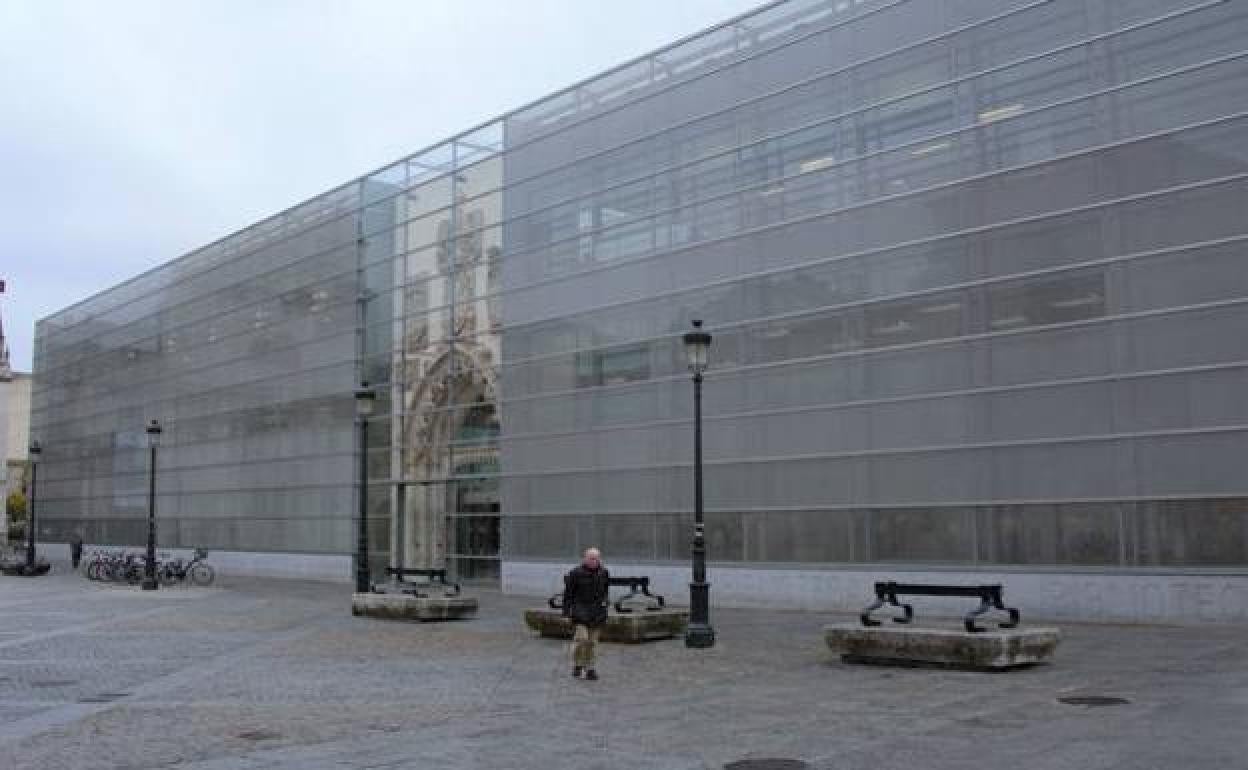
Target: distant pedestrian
585, 590
75, 548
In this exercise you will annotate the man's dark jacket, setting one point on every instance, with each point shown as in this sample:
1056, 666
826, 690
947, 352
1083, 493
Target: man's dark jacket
585, 595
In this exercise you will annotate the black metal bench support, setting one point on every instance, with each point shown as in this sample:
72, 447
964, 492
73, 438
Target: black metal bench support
990, 597
637, 586
431, 576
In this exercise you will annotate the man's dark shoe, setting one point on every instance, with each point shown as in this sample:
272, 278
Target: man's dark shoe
591, 675
576, 672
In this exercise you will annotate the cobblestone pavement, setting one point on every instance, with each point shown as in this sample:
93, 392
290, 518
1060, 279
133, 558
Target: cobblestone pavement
278, 675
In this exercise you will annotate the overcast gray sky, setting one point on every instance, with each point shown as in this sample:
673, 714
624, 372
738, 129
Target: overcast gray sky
132, 131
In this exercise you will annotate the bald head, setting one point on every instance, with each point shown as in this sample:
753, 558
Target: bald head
591, 558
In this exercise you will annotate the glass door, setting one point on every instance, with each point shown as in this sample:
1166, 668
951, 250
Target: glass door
473, 528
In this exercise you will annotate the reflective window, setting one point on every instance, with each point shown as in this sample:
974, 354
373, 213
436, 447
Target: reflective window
1052, 300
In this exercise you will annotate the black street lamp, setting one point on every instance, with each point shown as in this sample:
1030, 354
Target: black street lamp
36, 452
149, 569
365, 399
699, 633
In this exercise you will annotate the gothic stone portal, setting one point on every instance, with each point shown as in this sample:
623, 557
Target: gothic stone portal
449, 433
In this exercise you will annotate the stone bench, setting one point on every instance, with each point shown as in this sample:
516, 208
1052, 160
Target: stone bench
408, 607
990, 597
402, 599
637, 586
16, 567
638, 616
400, 585
940, 647
626, 627
971, 647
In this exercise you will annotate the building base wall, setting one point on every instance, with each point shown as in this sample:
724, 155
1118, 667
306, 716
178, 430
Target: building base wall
1092, 597
292, 566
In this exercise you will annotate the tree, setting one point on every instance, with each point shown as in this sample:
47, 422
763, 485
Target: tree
15, 509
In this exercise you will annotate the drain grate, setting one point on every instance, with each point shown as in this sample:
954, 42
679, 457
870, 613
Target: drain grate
767, 764
259, 735
1093, 701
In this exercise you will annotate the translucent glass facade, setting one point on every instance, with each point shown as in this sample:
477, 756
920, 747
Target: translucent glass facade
975, 271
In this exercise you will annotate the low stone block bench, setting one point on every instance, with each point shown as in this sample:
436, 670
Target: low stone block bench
946, 648
971, 647
626, 627
638, 616
18, 569
409, 607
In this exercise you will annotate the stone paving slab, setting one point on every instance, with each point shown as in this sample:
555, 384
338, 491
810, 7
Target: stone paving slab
278, 675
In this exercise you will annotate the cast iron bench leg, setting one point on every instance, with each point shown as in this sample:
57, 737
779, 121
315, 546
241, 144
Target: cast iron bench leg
882, 598
452, 589
865, 616
906, 610
985, 604
1014, 614
619, 603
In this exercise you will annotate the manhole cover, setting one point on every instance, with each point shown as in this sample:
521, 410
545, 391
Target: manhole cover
1093, 700
259, 735
767, 764
54, 683
386, 728
104, 697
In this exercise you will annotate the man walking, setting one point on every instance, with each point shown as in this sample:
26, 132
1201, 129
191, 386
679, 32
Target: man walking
585, 603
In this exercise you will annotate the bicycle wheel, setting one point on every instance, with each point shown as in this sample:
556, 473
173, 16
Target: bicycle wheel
202, 575
166, 576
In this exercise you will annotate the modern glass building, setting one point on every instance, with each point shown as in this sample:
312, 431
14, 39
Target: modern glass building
977, 273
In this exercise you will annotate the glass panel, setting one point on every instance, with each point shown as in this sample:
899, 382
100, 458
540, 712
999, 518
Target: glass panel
921, 535
1074, 534
1179, 533
1047, 300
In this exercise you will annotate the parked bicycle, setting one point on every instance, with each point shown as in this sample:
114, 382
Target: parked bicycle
130, 567
106, 565
196, 570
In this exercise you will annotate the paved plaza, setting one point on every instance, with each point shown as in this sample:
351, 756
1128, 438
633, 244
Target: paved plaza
277, 674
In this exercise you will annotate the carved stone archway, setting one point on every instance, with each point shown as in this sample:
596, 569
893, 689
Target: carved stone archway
461, 376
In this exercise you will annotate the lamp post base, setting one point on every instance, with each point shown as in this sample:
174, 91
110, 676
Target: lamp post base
699, 633
149, 584
700, 636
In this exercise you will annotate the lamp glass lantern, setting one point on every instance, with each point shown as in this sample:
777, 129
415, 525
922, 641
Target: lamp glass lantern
365, 401
697, 347
36, 451
153, 430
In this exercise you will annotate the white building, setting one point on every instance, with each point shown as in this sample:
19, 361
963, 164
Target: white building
14, 426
